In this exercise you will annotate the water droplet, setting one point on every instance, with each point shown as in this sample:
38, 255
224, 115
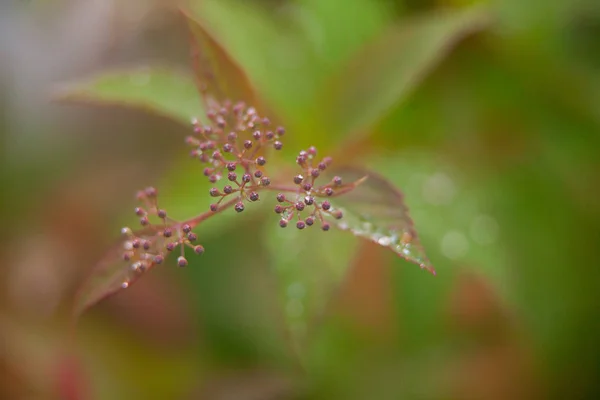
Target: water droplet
484, 230
384, 241
294, 308
296, 290
454, 245
439, 189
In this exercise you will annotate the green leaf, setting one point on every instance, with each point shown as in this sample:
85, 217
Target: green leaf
161, 91
309, 265
385, 72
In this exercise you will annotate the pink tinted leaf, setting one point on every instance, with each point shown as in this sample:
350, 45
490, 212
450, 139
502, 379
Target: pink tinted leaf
218, 76
111, 274
374, 209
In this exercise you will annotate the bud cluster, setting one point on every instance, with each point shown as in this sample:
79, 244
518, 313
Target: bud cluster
157, 239
231, 147
309, 198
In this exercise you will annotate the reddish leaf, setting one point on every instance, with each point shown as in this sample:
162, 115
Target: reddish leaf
218, 76
111, 274
374, 209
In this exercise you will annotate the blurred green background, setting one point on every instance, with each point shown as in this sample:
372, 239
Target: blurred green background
485, 113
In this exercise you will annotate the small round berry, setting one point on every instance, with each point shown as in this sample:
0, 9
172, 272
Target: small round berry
261, 161
338, 214
214, 192
171, 246
168, 232
158, 259
283, 223
192, 237
280, 131
210, 145
301, 160
140, 212
307, 186
278, 209
265, 121
231, 166
280, 197
207, 171
227, 189
146, 244
322, 166
211, 114
217, 155
315, 173
265, 181
248, 144
181, 261
227, 148
232, 137
258, 173
337, 180
213, 179
256, 135
161, 214
246, 178
300, 225
312, 150
127, 255
298, 179
135, 243
144, 221
232, 176
199, 249
253, 196
325, 226
186, 228
328, 191
269, 135
214, 207
278, 145
299, 206
326, 205
239, 206
310, 221
151, 192
309, 200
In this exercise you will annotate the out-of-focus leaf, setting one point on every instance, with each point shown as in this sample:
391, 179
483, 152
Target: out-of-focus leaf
112, 273
217, 74
375, 210
388, 69
309, 265
161, 91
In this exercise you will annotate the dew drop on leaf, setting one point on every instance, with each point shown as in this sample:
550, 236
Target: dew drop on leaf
375, 210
